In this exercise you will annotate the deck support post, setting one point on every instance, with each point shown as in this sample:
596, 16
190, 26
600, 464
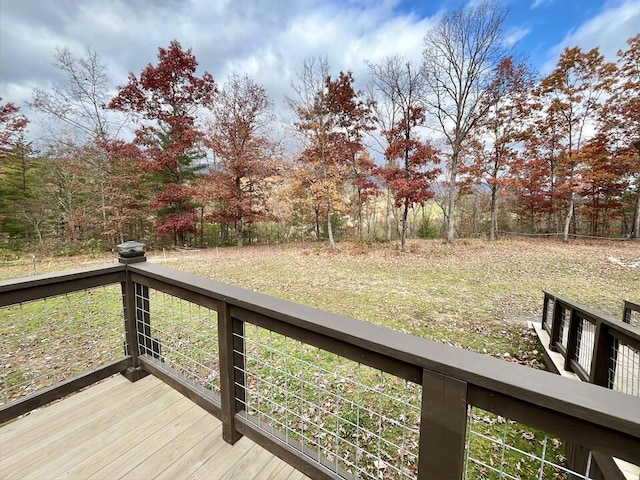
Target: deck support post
558, 312
134, 372
443, 427
232, 371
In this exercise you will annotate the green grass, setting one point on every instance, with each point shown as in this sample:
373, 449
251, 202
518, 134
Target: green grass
46, 341
497, 445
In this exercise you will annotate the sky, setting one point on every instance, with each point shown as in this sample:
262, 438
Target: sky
269, 39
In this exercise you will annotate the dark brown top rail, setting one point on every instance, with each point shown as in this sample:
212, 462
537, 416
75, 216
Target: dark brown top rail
51, 284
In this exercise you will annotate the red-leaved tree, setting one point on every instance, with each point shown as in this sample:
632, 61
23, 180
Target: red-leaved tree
353, 119
168, 96
12, 125
409, 171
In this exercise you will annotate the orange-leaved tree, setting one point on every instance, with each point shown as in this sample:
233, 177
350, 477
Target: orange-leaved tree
572, 97
245, 158
506, 103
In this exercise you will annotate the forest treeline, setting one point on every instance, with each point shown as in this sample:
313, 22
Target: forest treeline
470, 141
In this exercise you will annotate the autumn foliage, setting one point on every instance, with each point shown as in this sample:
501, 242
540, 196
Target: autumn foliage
168, 96
205, 164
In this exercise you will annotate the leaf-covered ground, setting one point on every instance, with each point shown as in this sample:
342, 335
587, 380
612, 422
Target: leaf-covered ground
473, 294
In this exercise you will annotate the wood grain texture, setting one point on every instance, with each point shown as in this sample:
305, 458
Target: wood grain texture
118, 429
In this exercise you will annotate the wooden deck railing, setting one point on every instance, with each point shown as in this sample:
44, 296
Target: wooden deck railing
597, 347
631, 313
337, 397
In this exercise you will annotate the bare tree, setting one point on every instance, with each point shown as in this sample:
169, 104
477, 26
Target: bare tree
82, 124
460, 55
79, 102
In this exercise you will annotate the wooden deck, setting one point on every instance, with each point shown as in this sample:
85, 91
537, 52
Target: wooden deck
117, 429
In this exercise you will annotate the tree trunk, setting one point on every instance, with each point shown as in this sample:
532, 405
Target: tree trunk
202, 226
332, 242
494, 213
635, 231
239, 232
388, 219
567, 220
359, 213
403, 235
316, 211
451, 227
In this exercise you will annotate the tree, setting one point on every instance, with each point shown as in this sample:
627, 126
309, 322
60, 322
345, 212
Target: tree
405, 173
245, 156
398, 89
12, 125
321, 163
168, 96
572, 95
16, 170
127, 201
543, 149
79, 103
623, 122
461, 53
602, 184
353, 120
506, 104
81, 129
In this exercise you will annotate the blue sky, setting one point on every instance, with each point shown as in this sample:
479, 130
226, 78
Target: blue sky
269, 39
544, 27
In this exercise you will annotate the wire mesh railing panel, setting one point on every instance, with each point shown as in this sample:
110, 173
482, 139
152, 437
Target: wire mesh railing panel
498, 448
548, 320
182, 334
585, 338
50, 340
351, 419
565, 318
632, 317
624, 369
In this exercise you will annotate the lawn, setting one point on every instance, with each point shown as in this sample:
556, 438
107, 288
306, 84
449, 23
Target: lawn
473, 294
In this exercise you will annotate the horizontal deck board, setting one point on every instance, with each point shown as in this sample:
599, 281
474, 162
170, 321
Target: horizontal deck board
118, 429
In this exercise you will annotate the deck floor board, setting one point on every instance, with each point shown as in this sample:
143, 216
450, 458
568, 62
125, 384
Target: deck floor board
117, 429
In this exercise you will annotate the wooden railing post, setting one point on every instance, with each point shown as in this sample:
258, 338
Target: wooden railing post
627, 314
604, 356
572, 339
232, 371
545, 311
443, 426
133, 372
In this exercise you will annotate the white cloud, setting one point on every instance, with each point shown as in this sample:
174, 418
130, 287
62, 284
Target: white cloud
514, 35
609, 30
267, 39
538, 3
